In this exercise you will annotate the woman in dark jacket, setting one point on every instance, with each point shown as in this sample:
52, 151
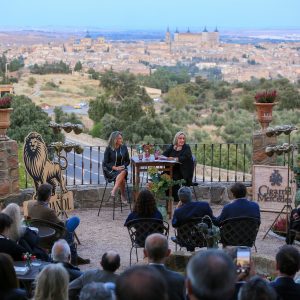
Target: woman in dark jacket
181, 152
115, 163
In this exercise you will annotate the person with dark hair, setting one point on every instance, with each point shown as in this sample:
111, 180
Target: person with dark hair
211, 275
257, 288
287, 264
141, 282
157, 250
145, 207
294, 225
7, 245
188, 209
240, 207
39, 209
115, 163
9, 287
110, 262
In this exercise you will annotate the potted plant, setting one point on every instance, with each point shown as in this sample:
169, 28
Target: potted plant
264, 102
5, 111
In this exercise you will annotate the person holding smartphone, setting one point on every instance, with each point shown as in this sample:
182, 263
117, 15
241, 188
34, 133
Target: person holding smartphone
115, 163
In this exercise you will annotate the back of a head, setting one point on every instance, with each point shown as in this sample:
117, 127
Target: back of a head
110, 261
8, 278
257, 289
13, 210
185, 194
44, 191
5, 222
95, 290
145, 204
61, 251
157, 247
288, 260
211, 275
238, 190
52, 283
141, 282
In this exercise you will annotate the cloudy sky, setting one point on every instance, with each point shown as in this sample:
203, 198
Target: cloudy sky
151, 14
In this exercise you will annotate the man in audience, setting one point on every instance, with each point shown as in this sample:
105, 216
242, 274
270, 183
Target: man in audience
141, 282
293, 225
110, 262
188, 209
40, 210
61, 253
240, 207
157, 250
287, 264
96, 290
211, 275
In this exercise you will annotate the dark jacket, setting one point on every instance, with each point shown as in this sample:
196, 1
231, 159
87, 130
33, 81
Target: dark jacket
12, 248
286, 288
135, 216
73, 271
15, 294
115, 157
191, 210
185, 168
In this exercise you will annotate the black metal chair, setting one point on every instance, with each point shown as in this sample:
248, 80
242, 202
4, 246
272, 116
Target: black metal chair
139, 230
239, 232
190, 235
107, 181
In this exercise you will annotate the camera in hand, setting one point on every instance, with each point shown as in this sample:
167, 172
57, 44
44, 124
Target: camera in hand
243, 259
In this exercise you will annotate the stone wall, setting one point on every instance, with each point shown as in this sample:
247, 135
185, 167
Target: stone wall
9, 169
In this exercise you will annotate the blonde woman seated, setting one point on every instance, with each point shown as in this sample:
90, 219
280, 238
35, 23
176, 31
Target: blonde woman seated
115, 163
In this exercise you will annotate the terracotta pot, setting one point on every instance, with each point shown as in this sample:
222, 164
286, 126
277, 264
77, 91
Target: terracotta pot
264, 113
4, 122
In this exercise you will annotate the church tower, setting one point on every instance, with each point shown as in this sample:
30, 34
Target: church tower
168, 38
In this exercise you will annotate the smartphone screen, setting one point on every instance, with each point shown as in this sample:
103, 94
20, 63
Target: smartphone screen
243, 259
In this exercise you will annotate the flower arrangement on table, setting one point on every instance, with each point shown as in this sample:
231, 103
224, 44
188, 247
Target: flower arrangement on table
28, 258
5, 101
266, 96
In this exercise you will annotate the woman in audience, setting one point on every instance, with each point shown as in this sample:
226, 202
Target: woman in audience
115, 163
184, 169
145, 207
52, 283
7, 245
24, 236
9, 287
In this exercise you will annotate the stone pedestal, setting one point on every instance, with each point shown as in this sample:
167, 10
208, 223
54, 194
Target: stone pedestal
260, 141
9, 168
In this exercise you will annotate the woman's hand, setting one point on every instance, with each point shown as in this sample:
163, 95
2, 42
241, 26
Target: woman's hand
173, 158
119, 168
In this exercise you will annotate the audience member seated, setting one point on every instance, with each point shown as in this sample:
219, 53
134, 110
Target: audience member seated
181, 152
23, 235
294, 225
188, 209
257, 288
96, 290
9, 287
7, 245
157, 250
287, 264
240, 207
211, 275
141, 282
52, 283
110, 262
61, 253
39, 209
144, 207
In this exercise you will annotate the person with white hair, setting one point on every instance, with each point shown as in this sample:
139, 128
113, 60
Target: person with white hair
52, 283
61, 253
96, 290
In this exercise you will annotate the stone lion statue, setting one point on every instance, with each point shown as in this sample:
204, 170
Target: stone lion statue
38, 165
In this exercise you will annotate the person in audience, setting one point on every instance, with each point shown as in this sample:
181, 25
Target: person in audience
157, 250
257, 288
141, 282
115, 163
61, 253
287, 264
9, 286
52, 283
7, 245
23, 235
110, 262
211, 275
144, 207
181, 152
39, 209
240, 207
96, 290
188, 209
294, 224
